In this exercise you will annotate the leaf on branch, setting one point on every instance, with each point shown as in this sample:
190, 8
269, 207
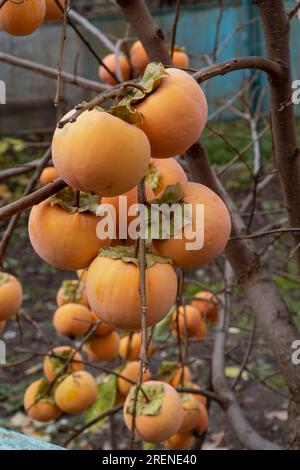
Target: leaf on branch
66, 200
107, 394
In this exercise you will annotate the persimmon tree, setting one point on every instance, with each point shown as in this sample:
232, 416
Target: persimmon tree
145, 283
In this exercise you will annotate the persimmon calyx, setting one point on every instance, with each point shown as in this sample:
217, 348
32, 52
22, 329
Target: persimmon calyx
150, 81
72, 291
170, 222
167, 370
149, 400
60, 358
45, 393
66, 200
152, 177
127, 254
3, 278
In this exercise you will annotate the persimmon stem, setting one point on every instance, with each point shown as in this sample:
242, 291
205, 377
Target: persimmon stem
77, 199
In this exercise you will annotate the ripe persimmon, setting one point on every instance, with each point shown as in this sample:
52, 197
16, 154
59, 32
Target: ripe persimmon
180, 376
131, 372
159, 416
103, 348
173, 373
164, 172
139, 57
48, 175
130, 346
113, 288
53, 12
21, 18
208, 305
64, 238
188, 321
11, 296
103, 328
215, 223
39, 404
201, 330
73, 320
2, 326
100, 153
111, 61
202, 422
174, 115
72, 291
201, 398
179, 441
76, 392
56, 359
191, 412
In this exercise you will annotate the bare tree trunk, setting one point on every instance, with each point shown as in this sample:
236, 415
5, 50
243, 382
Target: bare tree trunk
263, 297
147, 30
276, 27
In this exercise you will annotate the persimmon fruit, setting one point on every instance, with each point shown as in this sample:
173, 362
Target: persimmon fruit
179, 441
113, 290
73, 320
48, 175
191, 412
111, 61
72, 291
174, 374
188, 321
103, 328
161, 424
208, 305
216, 226
2, 326
202, 422
100, 153
53, 12
76, 392
163, 173
201, 398
174, 115
11, 296
66, 240
131, 372
139, 57
103, 348
38, 404
20, 18
56, 359
130, 346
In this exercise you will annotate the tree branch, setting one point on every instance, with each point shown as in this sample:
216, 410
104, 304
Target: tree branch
271, 67
52, 72
34, 198
147, 30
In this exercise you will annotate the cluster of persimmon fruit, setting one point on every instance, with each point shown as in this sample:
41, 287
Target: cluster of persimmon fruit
24, 17
103, 155
66, 387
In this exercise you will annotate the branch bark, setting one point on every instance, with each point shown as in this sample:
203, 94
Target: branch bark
276, 27
268, 307
34, 198
52, 73
147, 30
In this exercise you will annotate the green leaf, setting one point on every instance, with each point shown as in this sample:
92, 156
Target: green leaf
148, 446
45, 393
167, 370
162, 329
172, 194
107, 394
232, 372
